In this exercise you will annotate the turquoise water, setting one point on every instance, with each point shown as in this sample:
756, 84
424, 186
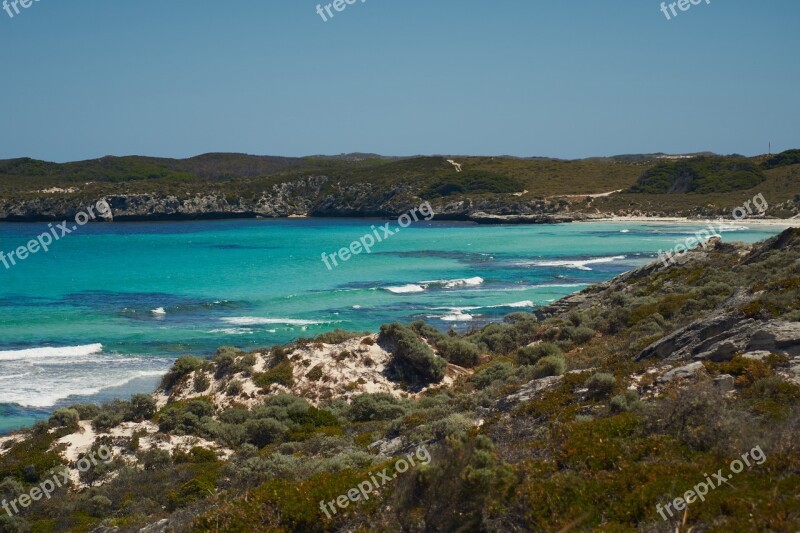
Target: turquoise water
109, 307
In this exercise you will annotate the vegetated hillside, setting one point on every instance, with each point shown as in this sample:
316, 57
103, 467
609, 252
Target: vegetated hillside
789, 157
243, 186
701, 175
582, 416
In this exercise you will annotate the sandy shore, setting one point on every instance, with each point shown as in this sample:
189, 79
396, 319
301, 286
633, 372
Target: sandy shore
771, 222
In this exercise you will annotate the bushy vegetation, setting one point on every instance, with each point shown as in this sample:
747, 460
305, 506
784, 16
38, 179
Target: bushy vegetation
412, 360
472, 182
591, 449
702, 175
183, 367
783, 159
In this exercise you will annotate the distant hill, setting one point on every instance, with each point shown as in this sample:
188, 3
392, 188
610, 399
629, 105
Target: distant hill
789, 157
702, 175
224, 185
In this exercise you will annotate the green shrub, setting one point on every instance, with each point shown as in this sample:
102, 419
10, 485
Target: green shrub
230, 361
197, 455
579, 334
623, 402
337, 336
66, 418
601, 385
10, 488
86, 411
100, 506
530, 355
459, 352
235, 388
497, 338
201, 382
263, 431
412, 360
143, 407
13, 524
225, 362
182, 368
377, 406
427, 332
246, 362
154, 459
549, 366
315, 374
111, 414
281, 374
186, 417
497, 371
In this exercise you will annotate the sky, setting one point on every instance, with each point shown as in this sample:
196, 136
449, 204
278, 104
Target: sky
560, 78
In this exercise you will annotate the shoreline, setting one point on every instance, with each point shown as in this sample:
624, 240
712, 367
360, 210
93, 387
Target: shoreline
772, 222
769, 222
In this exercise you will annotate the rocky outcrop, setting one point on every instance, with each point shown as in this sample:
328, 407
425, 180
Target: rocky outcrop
315, 196
487, 218
721, 337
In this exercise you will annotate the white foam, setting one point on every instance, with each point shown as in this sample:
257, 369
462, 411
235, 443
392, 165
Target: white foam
458, 317
48, 352
453, 283
525, 303
12, 376
422, 286
259, 321
233, 331
576, 264
406, 289
49, 392
159, 311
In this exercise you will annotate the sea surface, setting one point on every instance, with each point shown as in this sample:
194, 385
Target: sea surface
104, 313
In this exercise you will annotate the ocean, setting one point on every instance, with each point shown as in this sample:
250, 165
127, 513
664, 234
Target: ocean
104, 313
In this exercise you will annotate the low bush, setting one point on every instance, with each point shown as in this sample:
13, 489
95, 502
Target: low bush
530, 355
497, 371
623, 402
338, 336
601, 385
263, 431
549, 366
281, 374
459, 352
412, 360
182, 368
234, 388
186, 417
201, 382
143, 407
66, 418
377, 406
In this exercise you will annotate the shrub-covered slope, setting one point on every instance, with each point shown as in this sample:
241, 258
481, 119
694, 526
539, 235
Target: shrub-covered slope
584, 416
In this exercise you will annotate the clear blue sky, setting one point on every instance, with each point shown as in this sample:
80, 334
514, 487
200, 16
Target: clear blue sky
563, 78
